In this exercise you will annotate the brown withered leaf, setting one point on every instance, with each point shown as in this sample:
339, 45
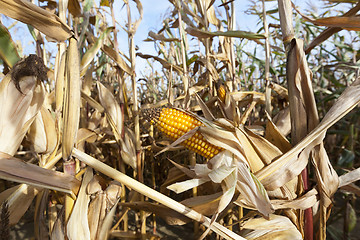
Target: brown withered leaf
239, 34
344, 22
330, 31
277, 227
291, 163
46, 22
14, 169
206, 205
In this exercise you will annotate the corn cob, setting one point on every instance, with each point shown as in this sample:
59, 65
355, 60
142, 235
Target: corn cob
221, 91
174, 123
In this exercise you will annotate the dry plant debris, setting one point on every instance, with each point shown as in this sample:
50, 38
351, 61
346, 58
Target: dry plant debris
250, 147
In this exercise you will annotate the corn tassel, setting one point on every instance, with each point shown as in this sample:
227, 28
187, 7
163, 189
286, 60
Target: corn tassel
174, 123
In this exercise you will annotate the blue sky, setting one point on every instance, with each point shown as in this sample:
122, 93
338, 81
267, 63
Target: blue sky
154, 12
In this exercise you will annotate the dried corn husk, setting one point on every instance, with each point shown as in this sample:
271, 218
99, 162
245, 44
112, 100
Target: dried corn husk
42, 133
72, 99
18, 109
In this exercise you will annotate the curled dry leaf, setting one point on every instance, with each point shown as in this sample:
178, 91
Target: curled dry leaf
163, 62
330, 31
291, 163
116, 57
347, 22
161, 37
277, 227
239, 34
46, 22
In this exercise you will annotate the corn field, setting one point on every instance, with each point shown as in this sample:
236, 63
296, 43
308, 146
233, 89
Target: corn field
227, 133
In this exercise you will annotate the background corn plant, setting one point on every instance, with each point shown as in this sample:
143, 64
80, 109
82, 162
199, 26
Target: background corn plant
80, 156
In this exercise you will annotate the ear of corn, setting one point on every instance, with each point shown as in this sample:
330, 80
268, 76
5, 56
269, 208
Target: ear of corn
221, 92
174, 123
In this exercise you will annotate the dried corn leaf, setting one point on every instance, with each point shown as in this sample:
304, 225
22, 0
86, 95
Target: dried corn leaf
128, 151
253, 155
46, 22
161, 37
92, 102
78, 226
264, 148
274, 135
13, 169
163, 62
239, 34
115, 56
206, 205
96, 214
306, 201
91, 53
304, 118
20, 197
349, 177
74, 8
72, 99
291, 163
58, 231
277, 227
349, 23
85, 134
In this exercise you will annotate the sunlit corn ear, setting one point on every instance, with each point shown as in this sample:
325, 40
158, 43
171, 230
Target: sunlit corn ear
71, 113
21, 97
174, 123
42, 133
227, 103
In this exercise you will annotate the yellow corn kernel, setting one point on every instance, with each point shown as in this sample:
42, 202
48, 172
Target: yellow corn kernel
221, 92
174, 123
